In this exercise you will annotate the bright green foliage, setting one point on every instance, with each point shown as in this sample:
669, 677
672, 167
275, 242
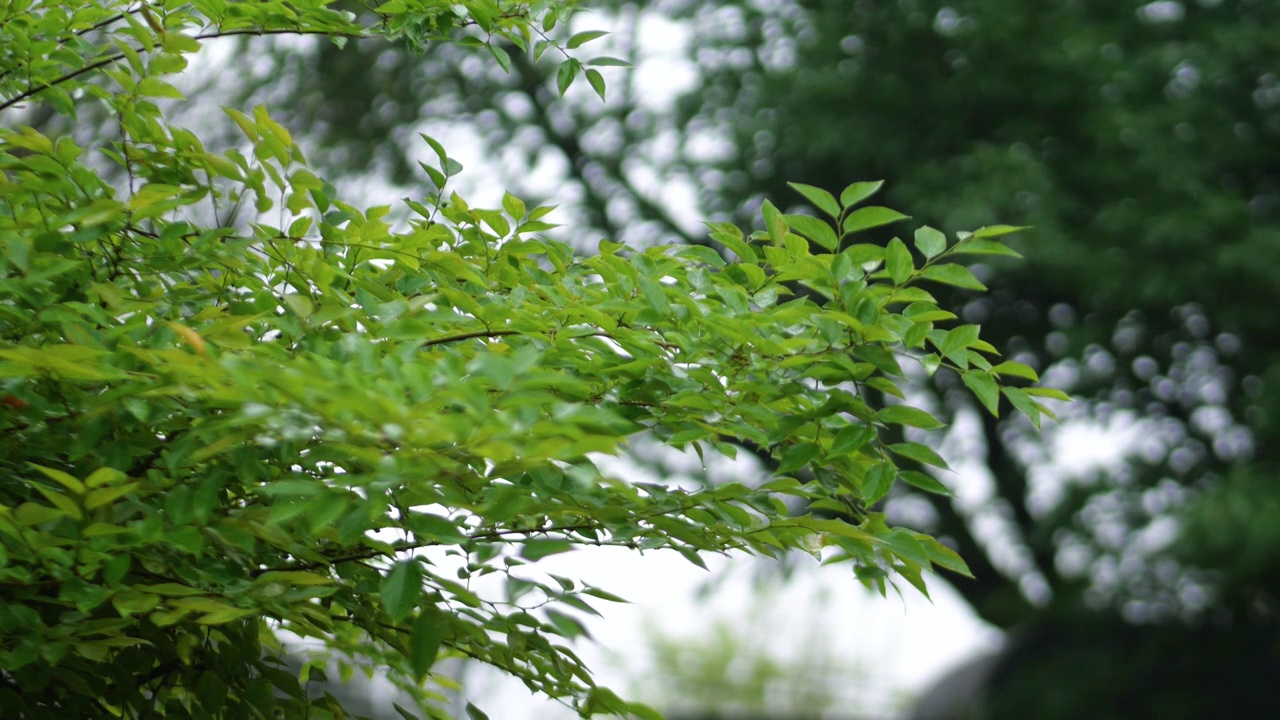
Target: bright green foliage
330, 420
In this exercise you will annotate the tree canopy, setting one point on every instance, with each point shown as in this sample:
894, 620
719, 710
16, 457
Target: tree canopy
1139, 139
236, 409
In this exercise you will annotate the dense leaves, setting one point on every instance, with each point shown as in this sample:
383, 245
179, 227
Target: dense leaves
365, 426
1139, 138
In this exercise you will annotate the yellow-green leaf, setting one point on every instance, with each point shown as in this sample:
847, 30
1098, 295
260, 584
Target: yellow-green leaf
104, 496
64, 479
870, 217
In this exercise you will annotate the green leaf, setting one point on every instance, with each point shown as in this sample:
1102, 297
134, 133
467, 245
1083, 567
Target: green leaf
930, 242
132, 602
728, 235
597, 82
919, 453
576, 602
1052, 393
692, 556
863, 253
437, 178
796, 457
943, 556
424, 641
880, 357
154, 87
813, 228
64, 479
401, 589
643, 712
870, 217
171, 590
223, 615
105, 496
905, 545
602, 700
30, 514
958, 338
604, 595
699, 253
774, 223
898, 262
886, 386
437, 147
734, 298
930, 363
300, 488
1016, 369
850, 439
605, 61
567, 625
211, 690
475, 713
984, 387
821, 199
537, 549
504, 60
878, 480
975, 246
244, 122
1024, 404
655, 295
952, 274
513, 205
404, 713
859, 191
60, 501
924, 481
907, 415
916, 334
99, 529
566, 73
432, 527
579, 39
997, 230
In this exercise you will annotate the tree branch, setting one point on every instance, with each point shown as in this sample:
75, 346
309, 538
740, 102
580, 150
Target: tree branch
97, 64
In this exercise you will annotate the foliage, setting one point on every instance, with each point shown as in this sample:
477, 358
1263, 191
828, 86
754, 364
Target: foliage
1138, 138
1141, 140
345, 424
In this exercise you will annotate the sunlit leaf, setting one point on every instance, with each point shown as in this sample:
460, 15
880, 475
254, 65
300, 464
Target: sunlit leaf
952, 274
930, 242
821, 199
870, 217
859, 191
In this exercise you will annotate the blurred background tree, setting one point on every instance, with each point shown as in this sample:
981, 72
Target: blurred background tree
1141, 140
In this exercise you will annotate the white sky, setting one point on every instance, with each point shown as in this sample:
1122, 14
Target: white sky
896, 646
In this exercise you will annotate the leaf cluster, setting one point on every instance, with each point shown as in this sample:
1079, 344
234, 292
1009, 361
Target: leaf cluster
347, 423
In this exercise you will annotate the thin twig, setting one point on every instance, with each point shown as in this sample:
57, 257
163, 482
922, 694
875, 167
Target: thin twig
203, 36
